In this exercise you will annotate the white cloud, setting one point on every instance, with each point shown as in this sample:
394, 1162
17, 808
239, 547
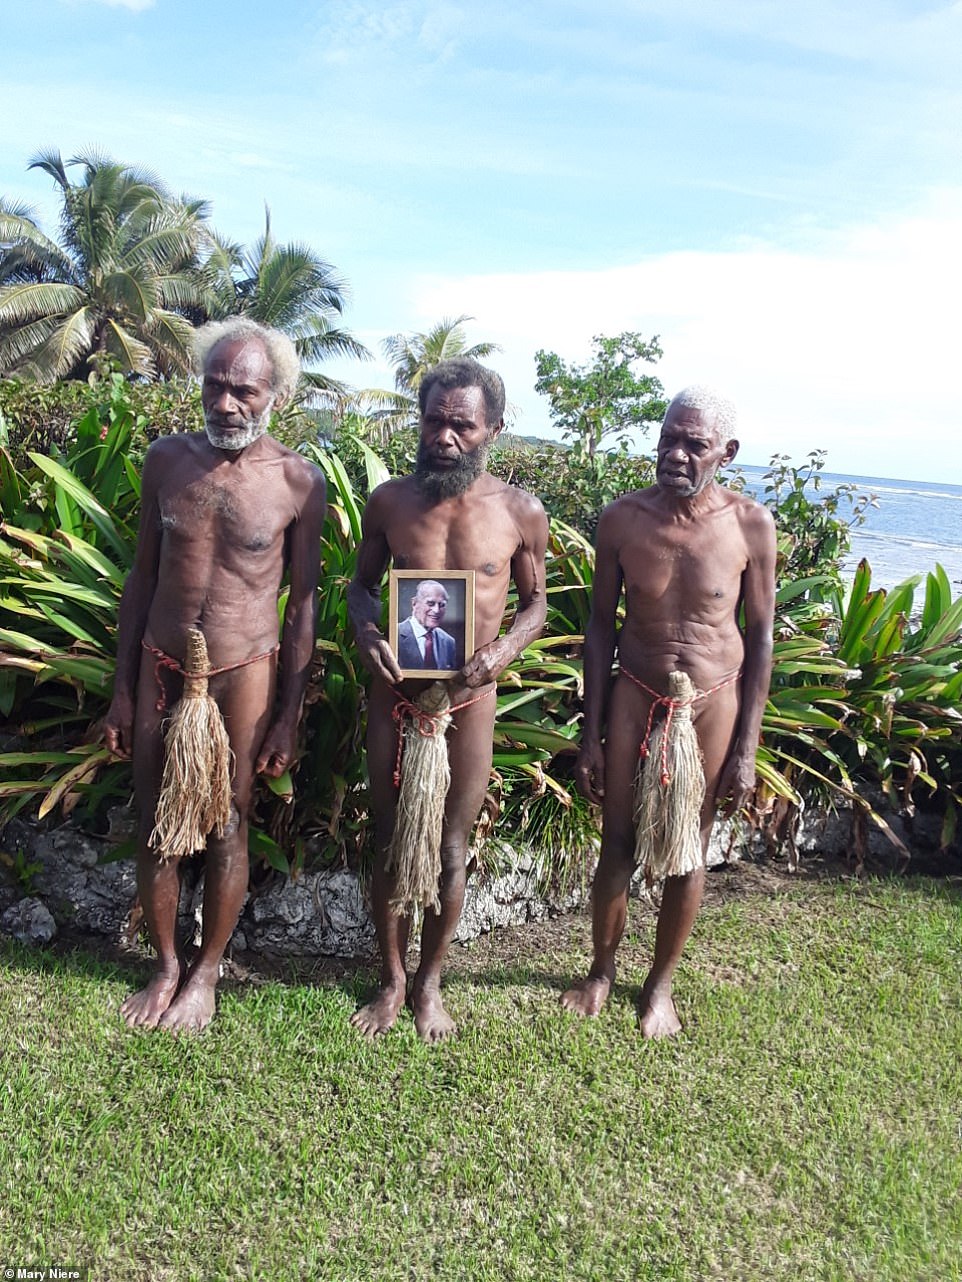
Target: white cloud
135, 6
851, 346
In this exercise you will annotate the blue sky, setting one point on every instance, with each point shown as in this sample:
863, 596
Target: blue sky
773, 189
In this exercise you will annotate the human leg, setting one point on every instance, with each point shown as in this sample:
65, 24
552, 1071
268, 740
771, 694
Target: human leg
469, 754
391, 927
609, 895
246, 698
681, 896
158, 883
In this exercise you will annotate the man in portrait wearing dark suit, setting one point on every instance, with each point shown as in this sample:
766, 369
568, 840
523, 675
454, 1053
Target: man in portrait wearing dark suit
422, 643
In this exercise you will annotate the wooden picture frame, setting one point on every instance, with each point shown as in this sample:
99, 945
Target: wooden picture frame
452, 634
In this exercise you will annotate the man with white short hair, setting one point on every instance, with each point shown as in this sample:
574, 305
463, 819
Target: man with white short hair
225, 514
693, 559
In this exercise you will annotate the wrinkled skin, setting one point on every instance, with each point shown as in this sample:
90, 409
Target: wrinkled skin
688, 555
500, 533
219, 528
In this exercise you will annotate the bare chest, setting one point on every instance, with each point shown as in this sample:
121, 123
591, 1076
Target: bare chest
234, 512
484, 539
701, 562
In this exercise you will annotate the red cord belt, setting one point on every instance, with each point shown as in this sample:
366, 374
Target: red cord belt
165, 661
671, 706
427, 724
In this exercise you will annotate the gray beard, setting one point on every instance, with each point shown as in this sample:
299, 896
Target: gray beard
234, 440
449, 482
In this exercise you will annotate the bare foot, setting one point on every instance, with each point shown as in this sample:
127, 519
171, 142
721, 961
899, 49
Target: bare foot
379, 1015
144, 1008
432, 1021
657, 1016
193, 1007
588, 997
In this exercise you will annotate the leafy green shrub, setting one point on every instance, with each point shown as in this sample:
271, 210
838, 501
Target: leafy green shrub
64, 556
814, 523
864, 699
44, 417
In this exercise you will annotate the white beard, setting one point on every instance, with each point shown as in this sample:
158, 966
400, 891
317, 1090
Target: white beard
234, 439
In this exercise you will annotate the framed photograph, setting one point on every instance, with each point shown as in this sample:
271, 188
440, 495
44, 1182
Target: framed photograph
431, 620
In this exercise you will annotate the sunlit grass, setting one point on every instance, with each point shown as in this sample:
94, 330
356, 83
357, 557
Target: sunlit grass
805, 1126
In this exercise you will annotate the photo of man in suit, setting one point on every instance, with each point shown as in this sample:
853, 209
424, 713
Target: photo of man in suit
422, 642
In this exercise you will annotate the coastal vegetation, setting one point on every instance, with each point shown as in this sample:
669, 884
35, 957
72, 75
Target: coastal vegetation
94, 334
863, 706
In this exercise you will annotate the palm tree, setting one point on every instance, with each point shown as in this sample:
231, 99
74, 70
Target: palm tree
288, 287
414, 354
117, 285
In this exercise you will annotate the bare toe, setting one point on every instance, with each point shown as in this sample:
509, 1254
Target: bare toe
588, 997
432, 1021
144, 1009
657, 1016
379, 1014
192, 1010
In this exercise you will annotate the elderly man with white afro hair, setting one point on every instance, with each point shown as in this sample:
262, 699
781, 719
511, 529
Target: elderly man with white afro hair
699, 396
673, 738
209, 683
285, 363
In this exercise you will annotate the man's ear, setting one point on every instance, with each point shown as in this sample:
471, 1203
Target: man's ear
731, 449
497, 429
280, 400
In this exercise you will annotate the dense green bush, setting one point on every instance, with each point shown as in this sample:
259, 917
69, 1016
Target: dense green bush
573, 486
44, 417
66, 545
864, 699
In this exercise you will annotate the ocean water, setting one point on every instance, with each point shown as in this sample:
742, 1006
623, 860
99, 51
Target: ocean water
915, 525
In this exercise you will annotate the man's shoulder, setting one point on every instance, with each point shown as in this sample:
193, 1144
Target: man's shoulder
300, 472
523, 504
168, 455
748, 510
407, 484
628, 506
391, 498
175, 444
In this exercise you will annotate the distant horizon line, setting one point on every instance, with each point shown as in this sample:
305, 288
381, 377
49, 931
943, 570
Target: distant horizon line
533, 439
858, 476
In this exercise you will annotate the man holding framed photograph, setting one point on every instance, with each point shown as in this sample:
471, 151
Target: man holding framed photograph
451, 516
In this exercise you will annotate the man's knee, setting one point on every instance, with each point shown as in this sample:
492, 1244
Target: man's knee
231, 844
614, 873
617, 848
454, 859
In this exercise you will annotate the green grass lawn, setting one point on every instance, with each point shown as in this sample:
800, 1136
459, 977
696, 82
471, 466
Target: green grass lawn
806, 1125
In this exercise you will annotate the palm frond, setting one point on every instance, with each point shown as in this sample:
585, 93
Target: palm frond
30, 300
132, 354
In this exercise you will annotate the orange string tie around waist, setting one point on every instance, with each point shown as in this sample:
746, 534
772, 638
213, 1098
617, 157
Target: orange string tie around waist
427, 724
166, 661
671, 706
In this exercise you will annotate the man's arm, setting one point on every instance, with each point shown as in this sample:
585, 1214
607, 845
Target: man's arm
737, 778
134, 608
589, 772
364, 592
528, 572
300, 617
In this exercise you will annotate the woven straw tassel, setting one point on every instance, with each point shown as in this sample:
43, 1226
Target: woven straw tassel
414, 855
668, 813
195, 793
